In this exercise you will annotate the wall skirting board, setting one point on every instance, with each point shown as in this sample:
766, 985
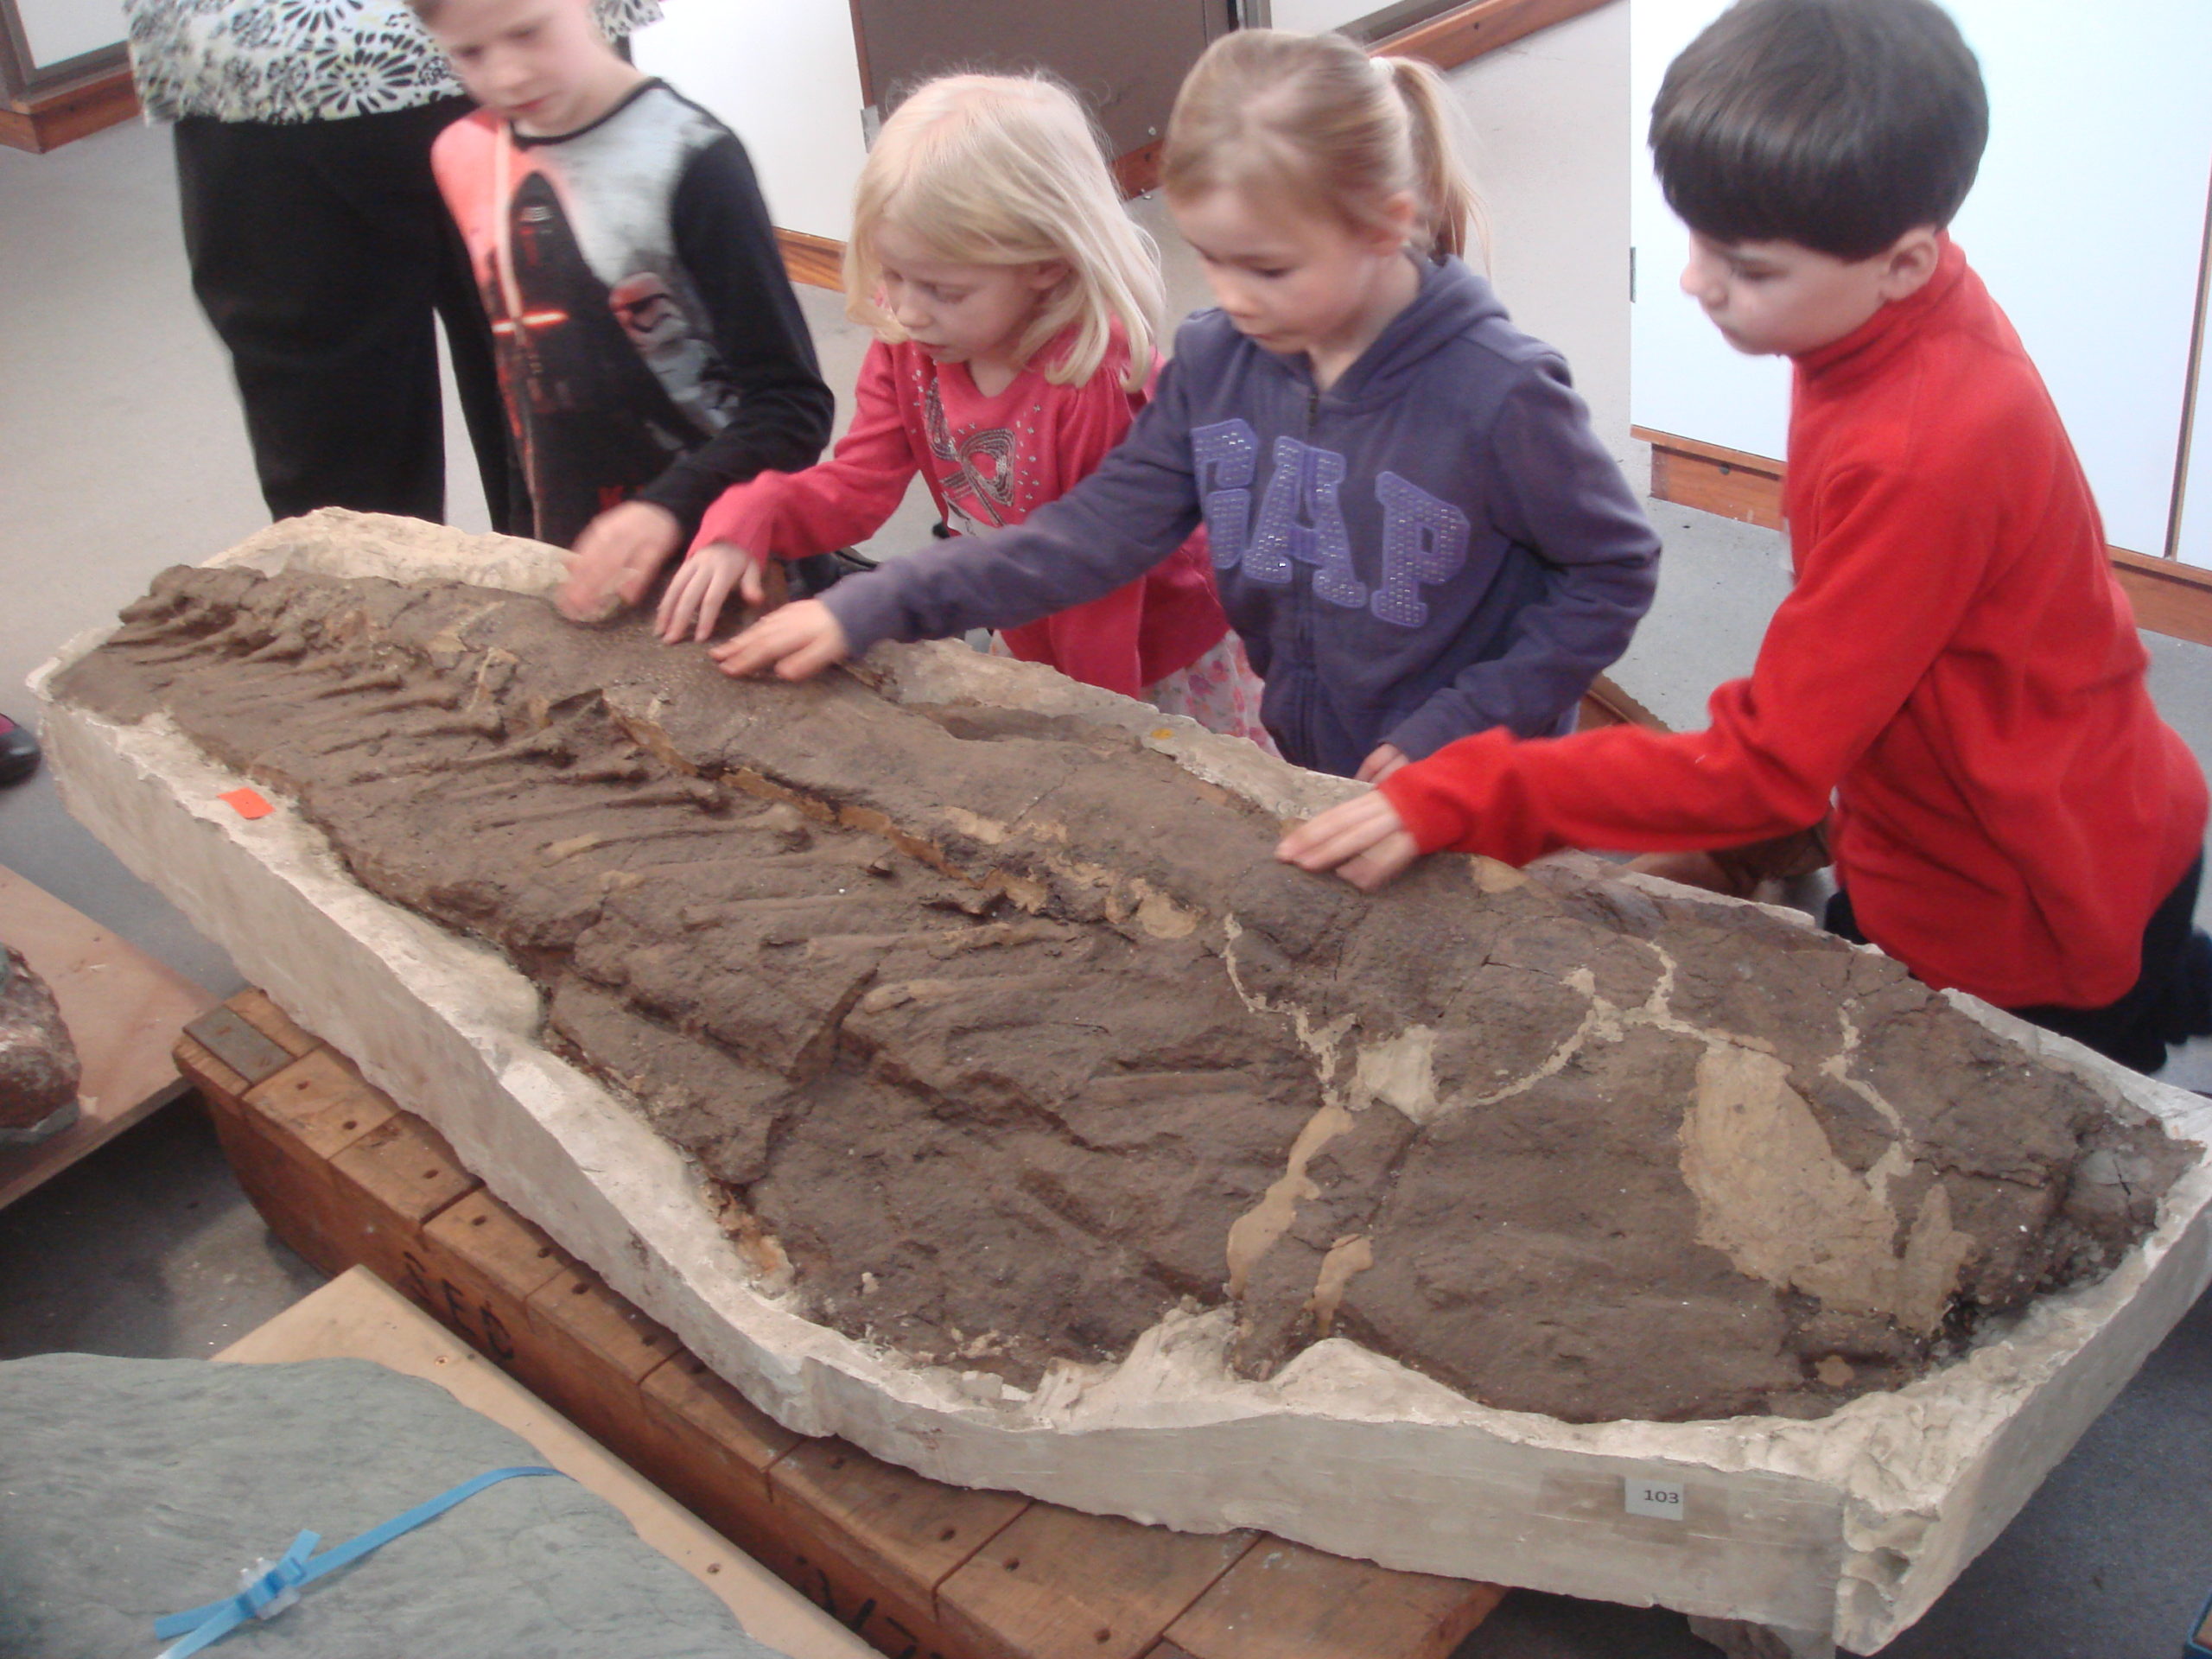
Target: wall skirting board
46, 120
1465, 33
2169, 597
815, 260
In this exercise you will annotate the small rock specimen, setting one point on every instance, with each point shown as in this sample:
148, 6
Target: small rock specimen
39, 1071
998, 1035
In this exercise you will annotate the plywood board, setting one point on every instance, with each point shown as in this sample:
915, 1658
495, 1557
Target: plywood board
123, 1010
356, 1316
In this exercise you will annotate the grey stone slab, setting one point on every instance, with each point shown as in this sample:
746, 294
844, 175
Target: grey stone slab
135, 1488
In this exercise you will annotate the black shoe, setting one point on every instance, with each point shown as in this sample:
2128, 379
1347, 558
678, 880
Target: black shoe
18, 752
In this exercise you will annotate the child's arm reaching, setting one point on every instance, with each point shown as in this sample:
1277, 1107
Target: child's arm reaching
696, 594
1558, 493
844, 500
1363, 840
615, 558
1137, 509
728, 249
798, 641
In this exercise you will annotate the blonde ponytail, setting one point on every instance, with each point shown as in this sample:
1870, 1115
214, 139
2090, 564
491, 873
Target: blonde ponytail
1313, 118
1446, 193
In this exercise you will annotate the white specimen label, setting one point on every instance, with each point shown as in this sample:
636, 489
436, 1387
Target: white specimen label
1660, 1497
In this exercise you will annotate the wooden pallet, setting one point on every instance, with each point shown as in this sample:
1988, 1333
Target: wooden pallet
920, 1569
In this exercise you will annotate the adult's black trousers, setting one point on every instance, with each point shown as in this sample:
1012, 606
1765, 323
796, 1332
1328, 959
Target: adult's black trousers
323, 255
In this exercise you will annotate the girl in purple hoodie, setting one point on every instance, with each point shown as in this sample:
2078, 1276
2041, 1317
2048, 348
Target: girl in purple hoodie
1412, 527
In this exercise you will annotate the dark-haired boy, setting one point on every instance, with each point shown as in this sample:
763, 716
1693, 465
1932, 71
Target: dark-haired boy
1955, 666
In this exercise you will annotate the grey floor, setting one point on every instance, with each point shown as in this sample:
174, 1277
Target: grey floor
124, 454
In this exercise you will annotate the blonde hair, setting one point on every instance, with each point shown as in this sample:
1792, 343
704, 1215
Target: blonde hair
1314, 117
1006, 170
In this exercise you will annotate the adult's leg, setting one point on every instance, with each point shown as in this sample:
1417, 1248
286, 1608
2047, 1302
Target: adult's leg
476, 387
317, 251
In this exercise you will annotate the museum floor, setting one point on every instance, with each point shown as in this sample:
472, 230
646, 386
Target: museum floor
123, 454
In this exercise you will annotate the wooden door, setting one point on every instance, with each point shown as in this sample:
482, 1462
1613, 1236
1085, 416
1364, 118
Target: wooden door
1124, 57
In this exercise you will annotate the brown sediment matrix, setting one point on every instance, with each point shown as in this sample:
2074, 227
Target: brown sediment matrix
999, 1035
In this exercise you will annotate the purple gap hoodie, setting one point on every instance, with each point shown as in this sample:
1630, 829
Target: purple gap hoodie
1436, 546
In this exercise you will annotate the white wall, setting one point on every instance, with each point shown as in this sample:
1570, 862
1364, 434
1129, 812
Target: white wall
1312, 16
61, 29
1548, 118
785, 76
2195, 542
2086, 222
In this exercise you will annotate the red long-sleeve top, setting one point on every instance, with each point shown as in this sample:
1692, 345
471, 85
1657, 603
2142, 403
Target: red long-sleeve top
989, 461
1956, 665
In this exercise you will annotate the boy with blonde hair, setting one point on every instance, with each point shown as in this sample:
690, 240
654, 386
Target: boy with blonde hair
1956, 670
651, 350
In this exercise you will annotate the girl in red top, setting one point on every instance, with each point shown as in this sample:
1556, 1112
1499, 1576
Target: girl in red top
1014, 306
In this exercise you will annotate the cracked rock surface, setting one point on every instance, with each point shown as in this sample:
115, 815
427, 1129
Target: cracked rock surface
997, 1035
39, 1069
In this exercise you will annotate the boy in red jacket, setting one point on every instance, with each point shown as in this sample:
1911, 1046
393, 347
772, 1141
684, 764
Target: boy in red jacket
1955, 667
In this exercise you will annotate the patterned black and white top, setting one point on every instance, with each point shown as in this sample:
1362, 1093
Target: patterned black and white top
300, 60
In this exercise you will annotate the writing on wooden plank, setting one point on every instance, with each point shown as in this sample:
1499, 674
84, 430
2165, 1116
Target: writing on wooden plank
1285, 1601
1060, 1584
873, 1541
474, 1266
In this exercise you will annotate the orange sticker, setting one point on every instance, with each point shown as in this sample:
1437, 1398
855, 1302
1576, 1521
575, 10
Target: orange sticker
247, 803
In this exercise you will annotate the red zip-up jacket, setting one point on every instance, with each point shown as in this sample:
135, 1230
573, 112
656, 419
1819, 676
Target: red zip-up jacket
989, 461
1957, 666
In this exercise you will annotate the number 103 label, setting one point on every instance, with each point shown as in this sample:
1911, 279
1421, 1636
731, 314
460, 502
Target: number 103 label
1660, 1497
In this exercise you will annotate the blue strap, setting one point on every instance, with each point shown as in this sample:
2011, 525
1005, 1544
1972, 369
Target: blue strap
276, 1589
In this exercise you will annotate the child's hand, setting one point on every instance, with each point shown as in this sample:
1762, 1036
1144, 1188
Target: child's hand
798, 642
1363, 840
614, 560
694, 599
1386, 759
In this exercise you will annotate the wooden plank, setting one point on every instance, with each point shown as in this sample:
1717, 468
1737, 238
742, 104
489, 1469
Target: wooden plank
1286, 1601
815, 260
1056, 1584
871, 1541
283, 1137
388, 1185
2169, 596
1731, 483
596, 1349
357, 1317
103, 100
1606, 704
124, 1011
475, 1265
711, 1448
1467, 32
323, 1103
